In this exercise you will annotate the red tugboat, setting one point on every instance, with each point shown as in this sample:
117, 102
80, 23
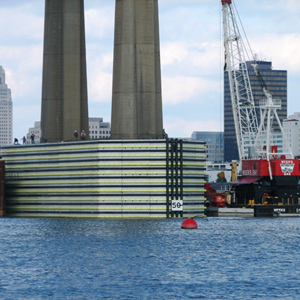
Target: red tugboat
270, 180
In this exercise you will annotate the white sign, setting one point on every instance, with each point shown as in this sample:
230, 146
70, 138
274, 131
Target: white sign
279, 210
177, 205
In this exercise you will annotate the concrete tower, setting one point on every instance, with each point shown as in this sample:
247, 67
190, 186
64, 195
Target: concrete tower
136, 100
64, 91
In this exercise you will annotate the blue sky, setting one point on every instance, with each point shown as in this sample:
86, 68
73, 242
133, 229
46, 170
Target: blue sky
191, 56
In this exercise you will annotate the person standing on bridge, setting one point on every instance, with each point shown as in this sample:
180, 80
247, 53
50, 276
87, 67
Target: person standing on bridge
164, 134
76, 134
32, 138
82, 135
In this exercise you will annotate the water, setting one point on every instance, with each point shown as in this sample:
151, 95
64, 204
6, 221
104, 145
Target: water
225, 258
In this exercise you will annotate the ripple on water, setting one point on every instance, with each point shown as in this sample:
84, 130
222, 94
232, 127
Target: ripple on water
225, 258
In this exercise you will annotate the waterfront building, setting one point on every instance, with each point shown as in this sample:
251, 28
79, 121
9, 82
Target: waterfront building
291, 127
97, 130
276, 82
6, 111
214, 144
213, 171
36, 130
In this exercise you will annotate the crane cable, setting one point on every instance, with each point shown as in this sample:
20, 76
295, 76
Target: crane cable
221, 141
244, 33
221, 78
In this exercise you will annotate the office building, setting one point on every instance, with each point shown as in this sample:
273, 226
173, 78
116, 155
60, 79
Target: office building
6, 112
214, 144
276, 82
97, 130
291, 127
36, 131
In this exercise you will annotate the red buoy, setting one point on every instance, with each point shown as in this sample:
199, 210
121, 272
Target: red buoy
189, 224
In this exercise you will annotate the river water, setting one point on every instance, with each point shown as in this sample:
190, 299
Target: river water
225, 258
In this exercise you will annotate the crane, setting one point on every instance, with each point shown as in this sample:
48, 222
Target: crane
253, 139
242, 101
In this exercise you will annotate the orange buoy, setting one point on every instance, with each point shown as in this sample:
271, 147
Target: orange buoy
189, 224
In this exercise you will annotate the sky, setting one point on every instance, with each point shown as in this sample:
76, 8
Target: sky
192, 57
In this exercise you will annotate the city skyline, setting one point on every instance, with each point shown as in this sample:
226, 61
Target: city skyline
191, 57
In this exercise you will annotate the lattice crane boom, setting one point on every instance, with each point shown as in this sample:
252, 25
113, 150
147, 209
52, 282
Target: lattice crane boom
243, 106
249, 134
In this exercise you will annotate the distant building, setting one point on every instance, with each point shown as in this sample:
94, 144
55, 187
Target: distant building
291, 127
277, 140
213, 171
276, 82
214, 144
97, 130
6, 112
36, 130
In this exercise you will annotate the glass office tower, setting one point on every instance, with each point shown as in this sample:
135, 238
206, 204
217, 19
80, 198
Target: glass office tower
276, 82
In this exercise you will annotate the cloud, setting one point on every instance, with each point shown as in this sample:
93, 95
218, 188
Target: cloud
286, 5
191, 54
195, 59
189, 70
180, 127
293, 4
99, 26
283, 50
23, 68
100, 78
24, 117
26, 27
99, 23
173, 52
191, 22
180, 89
100, 87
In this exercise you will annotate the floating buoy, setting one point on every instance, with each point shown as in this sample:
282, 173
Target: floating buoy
189, 224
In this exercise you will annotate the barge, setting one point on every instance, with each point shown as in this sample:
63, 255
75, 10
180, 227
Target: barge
105, 179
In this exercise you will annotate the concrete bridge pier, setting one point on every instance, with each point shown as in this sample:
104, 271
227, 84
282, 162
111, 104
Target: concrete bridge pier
136, 100
64, 87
